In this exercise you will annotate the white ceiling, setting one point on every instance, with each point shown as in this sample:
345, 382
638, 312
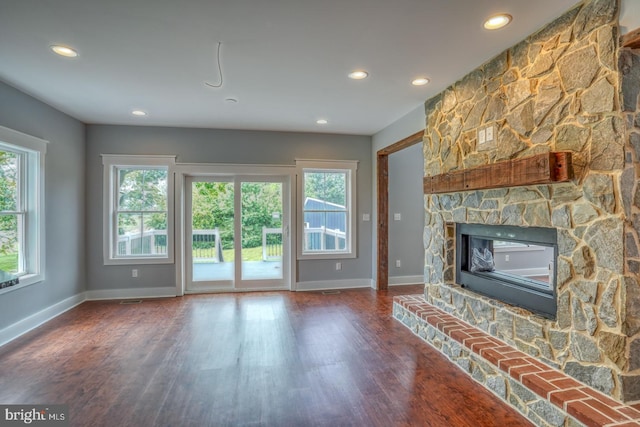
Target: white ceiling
285, 61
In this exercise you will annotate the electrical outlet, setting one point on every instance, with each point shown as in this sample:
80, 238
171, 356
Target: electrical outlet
398, 263
366, 217
338, 266
397, 217
506, 258
134, 272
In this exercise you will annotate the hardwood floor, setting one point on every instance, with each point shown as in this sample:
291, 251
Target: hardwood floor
254, 359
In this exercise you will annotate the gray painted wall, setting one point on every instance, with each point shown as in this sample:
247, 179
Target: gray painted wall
629, 15
64, 203
406, 195
220, 146
520, 258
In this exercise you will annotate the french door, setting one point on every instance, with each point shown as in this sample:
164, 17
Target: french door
237, 233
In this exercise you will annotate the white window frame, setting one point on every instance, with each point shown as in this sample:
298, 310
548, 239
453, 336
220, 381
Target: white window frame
32, 153
111, 163
349, 167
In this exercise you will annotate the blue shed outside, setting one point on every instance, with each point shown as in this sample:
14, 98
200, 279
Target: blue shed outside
330, 215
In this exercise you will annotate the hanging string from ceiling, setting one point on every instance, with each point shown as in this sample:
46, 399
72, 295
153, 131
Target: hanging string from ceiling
219, 70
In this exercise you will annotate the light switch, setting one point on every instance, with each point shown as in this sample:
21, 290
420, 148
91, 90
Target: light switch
397, 217
481, 136
489, 133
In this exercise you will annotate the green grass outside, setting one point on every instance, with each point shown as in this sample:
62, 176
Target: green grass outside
9, 262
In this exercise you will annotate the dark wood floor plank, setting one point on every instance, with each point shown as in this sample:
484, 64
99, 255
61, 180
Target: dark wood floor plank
258, 359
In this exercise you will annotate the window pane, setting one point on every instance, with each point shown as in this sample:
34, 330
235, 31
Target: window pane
142, 234
325, 231
22, 225
142, 189
9, 181
155, 234
325, 190
9, 245
327, 223
212, 250
325, 211
129, 234
261, 217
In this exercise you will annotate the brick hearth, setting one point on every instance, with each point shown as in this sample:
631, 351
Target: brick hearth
542, 393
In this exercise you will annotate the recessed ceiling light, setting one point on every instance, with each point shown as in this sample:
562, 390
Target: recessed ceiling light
358, 75
322, 121
420, 81
64, 51
497, 21
139, 113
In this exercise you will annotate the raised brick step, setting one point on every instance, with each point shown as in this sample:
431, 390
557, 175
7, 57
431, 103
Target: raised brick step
571, 397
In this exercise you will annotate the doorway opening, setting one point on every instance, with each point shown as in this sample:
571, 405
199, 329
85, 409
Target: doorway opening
236, 234
382, 276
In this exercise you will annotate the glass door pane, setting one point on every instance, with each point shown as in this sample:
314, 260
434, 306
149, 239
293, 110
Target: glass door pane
212, 231
262, 248
237, 218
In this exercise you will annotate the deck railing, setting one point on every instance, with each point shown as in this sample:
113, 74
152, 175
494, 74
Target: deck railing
324, 239
152, 242
207, 245
271, 244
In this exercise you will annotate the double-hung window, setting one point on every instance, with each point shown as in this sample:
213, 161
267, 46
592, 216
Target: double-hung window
22, 160
139, 209
326, 206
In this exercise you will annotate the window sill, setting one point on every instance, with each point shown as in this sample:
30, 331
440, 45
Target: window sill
337, 255
26, 280
138, 261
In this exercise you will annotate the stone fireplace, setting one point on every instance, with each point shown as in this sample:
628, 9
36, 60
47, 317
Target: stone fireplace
566, 88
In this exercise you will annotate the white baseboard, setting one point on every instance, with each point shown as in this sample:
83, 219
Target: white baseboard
129, 293
406, 280
325, 285
23, 326
234, 290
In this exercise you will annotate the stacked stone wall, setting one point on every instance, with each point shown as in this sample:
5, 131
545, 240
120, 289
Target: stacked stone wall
558, 90
629, 66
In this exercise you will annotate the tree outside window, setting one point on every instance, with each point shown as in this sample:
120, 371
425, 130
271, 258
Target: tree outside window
142, 211
213, 208
11, 213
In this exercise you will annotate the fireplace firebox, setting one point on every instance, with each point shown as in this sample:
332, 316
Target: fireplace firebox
512, 264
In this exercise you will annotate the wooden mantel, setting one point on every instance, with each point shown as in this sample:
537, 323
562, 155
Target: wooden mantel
540, 169
631, 39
